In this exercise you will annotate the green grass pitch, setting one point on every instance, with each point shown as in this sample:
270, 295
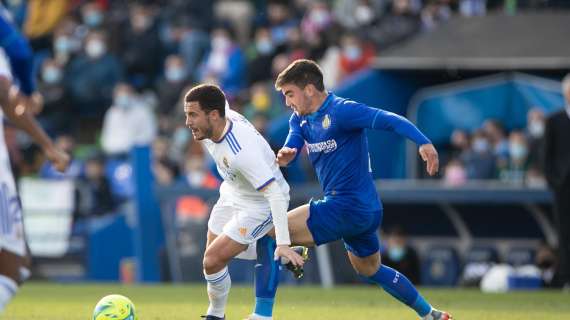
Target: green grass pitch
76, 301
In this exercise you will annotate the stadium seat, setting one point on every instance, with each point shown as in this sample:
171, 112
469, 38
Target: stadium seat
520, 256
478, 260
440, 266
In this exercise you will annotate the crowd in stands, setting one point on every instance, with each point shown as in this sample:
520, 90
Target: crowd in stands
491, 153
112, 74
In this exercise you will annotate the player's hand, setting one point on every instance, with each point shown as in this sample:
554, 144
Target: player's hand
285, 155
289, 255
429, 155
58, 158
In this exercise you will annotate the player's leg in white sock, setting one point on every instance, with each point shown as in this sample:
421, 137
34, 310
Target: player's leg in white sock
219, 285
8, 289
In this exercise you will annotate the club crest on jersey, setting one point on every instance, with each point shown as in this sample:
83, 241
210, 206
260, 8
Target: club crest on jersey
242, 231
225, 161
326, 122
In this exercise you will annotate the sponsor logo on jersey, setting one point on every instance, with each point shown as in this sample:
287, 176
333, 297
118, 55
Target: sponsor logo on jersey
326, 122
226, 163
324, 146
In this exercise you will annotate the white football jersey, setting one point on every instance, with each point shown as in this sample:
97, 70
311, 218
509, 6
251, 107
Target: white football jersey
245, 160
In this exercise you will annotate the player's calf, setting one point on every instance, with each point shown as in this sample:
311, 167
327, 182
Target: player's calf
10, 276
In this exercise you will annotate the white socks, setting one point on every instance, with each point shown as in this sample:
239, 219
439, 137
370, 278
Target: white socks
8, 289
218, 290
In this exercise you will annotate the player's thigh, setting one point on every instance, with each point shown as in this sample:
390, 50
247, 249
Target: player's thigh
220, 252
298, 228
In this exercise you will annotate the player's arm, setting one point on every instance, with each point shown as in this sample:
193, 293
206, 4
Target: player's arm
20, 55
293, 143
359, 116
16, 110
261, 177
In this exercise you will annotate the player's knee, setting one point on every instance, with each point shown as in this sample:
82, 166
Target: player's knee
212, 263
367, 266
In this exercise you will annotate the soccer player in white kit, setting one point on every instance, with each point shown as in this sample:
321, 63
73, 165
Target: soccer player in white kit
17, 105
254, 196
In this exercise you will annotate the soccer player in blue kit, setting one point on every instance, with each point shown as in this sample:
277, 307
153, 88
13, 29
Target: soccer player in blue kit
333, 128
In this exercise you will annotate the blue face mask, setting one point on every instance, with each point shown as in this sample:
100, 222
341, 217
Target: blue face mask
93, 18
51, 75
396, 253
175, 74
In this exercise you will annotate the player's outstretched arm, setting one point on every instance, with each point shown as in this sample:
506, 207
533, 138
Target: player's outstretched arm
430, 157
279, 203
18, 111
285, 155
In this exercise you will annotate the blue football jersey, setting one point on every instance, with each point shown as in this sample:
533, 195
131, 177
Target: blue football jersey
338, 147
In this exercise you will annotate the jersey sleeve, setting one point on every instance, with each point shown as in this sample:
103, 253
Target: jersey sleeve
295, 136
352, 116
19, 54
253, 168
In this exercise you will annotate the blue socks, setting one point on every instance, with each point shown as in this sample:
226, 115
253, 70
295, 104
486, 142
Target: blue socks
401, 288
266, 277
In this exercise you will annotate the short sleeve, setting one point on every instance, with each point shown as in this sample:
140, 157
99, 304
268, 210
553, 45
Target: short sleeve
253, 168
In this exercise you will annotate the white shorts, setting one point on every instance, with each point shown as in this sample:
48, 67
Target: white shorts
244, 222
11, 225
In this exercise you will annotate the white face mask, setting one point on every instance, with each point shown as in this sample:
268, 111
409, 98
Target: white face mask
536, 129
517, 150
51, 75
220, 43
95, 48
123, 100
363, 14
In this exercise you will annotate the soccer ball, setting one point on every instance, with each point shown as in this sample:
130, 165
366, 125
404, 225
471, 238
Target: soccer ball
114, 307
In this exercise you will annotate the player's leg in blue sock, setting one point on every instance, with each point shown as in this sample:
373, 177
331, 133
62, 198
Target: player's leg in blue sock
266, 277
397, 285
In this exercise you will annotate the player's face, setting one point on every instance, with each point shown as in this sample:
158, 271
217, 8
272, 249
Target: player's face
297, 99
198, 121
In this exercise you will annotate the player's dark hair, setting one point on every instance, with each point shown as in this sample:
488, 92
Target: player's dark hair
301, 73
209, 96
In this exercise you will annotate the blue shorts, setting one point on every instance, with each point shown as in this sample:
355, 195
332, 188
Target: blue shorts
331, 219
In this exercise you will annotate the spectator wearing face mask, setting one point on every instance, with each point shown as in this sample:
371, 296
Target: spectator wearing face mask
92, 15
92, 76
171, 84
226, 62
56, 114
355, 55
362, 13
400, 255
479, 160
195, 170
316, 20
94, 190
128, 122
66, 42
518, 159
260, 55
140, 48
534, 134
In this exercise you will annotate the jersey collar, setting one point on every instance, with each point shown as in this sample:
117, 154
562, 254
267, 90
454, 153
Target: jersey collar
323, 108
226, 133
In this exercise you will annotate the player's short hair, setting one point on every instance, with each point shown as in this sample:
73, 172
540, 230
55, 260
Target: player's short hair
209, 96
301, 73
